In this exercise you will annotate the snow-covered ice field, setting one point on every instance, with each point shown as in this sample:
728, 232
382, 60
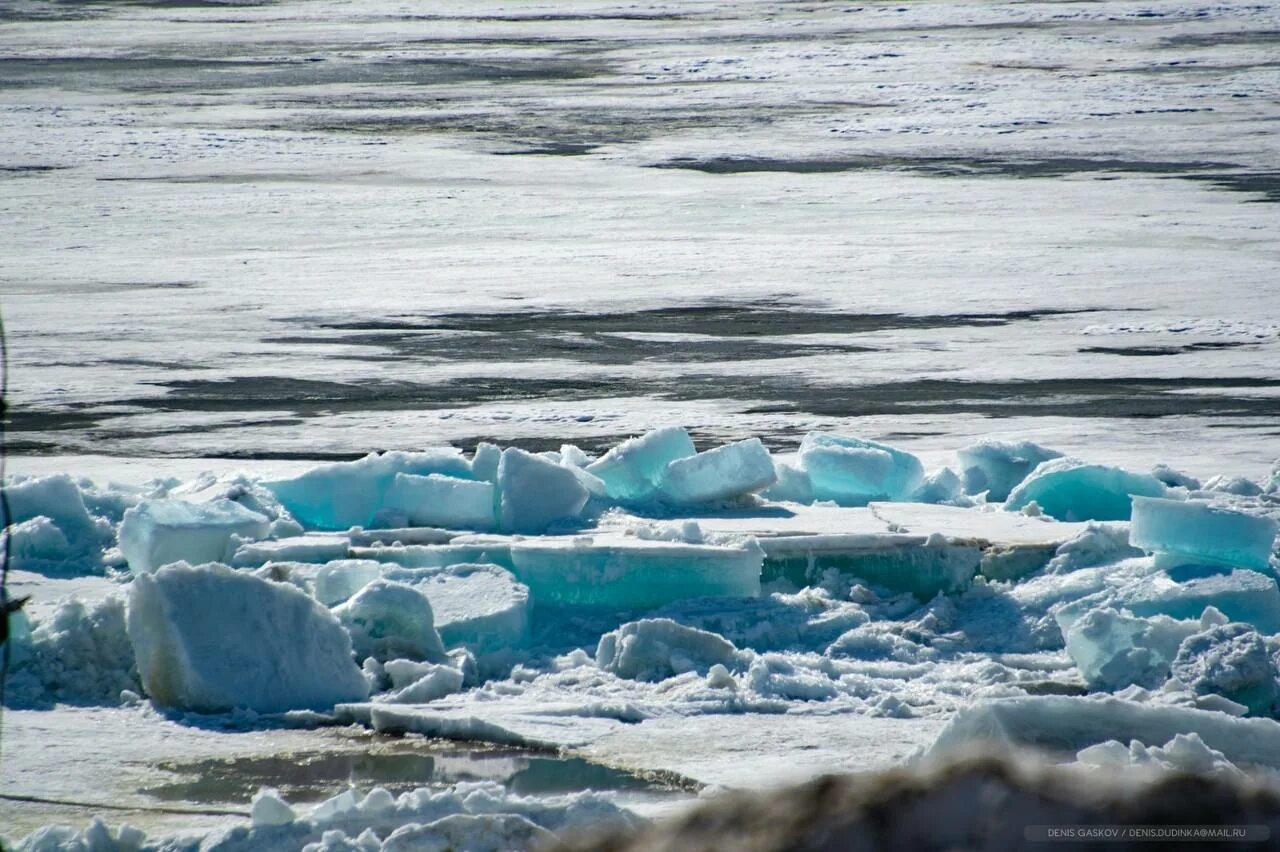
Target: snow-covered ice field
239, 240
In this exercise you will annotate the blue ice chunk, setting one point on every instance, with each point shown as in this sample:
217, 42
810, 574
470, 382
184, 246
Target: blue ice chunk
658, 648
209, 639
387, 620
484, 464
634, 469
923, 566
574, 455
1071, 490
336, 581
793, 485
729, 471
997, 467
1242, 595
1114, 650
617, 572
594, 484
57, 498
350, 494
157, 532
854, 472
941, 486
1203, 533
38, 544
537, 492
443, 501
1231, 660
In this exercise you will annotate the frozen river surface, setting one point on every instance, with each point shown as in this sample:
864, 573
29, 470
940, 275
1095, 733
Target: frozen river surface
302, 230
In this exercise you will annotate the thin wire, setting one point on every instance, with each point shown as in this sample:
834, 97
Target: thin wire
8, 518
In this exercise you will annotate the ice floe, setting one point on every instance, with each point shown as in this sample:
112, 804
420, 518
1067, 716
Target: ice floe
1072, 490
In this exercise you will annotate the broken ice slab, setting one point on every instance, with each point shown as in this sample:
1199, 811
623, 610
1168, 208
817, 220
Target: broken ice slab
443, 501
855, 472
921, 565
525, 722
157, 532
336, 581
350, 494
633, 471
1230, 660
997, 467
977, 522
304, 548
1242, 595
537, 493
726, 472
917, 548
484, 462
57, 498
482, 607
429, 682
941, 486
920, 519
1006, 562
1113, 650
1067, 724
886, 543
1071, 490
792, 485
612, 570
210, 639
1199, 532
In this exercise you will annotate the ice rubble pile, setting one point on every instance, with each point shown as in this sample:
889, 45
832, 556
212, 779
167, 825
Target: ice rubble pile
434, 590
51, 526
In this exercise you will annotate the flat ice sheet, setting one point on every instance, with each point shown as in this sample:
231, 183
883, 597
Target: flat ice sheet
758, 750
746, 751
93, 756
306, 166
915, 519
